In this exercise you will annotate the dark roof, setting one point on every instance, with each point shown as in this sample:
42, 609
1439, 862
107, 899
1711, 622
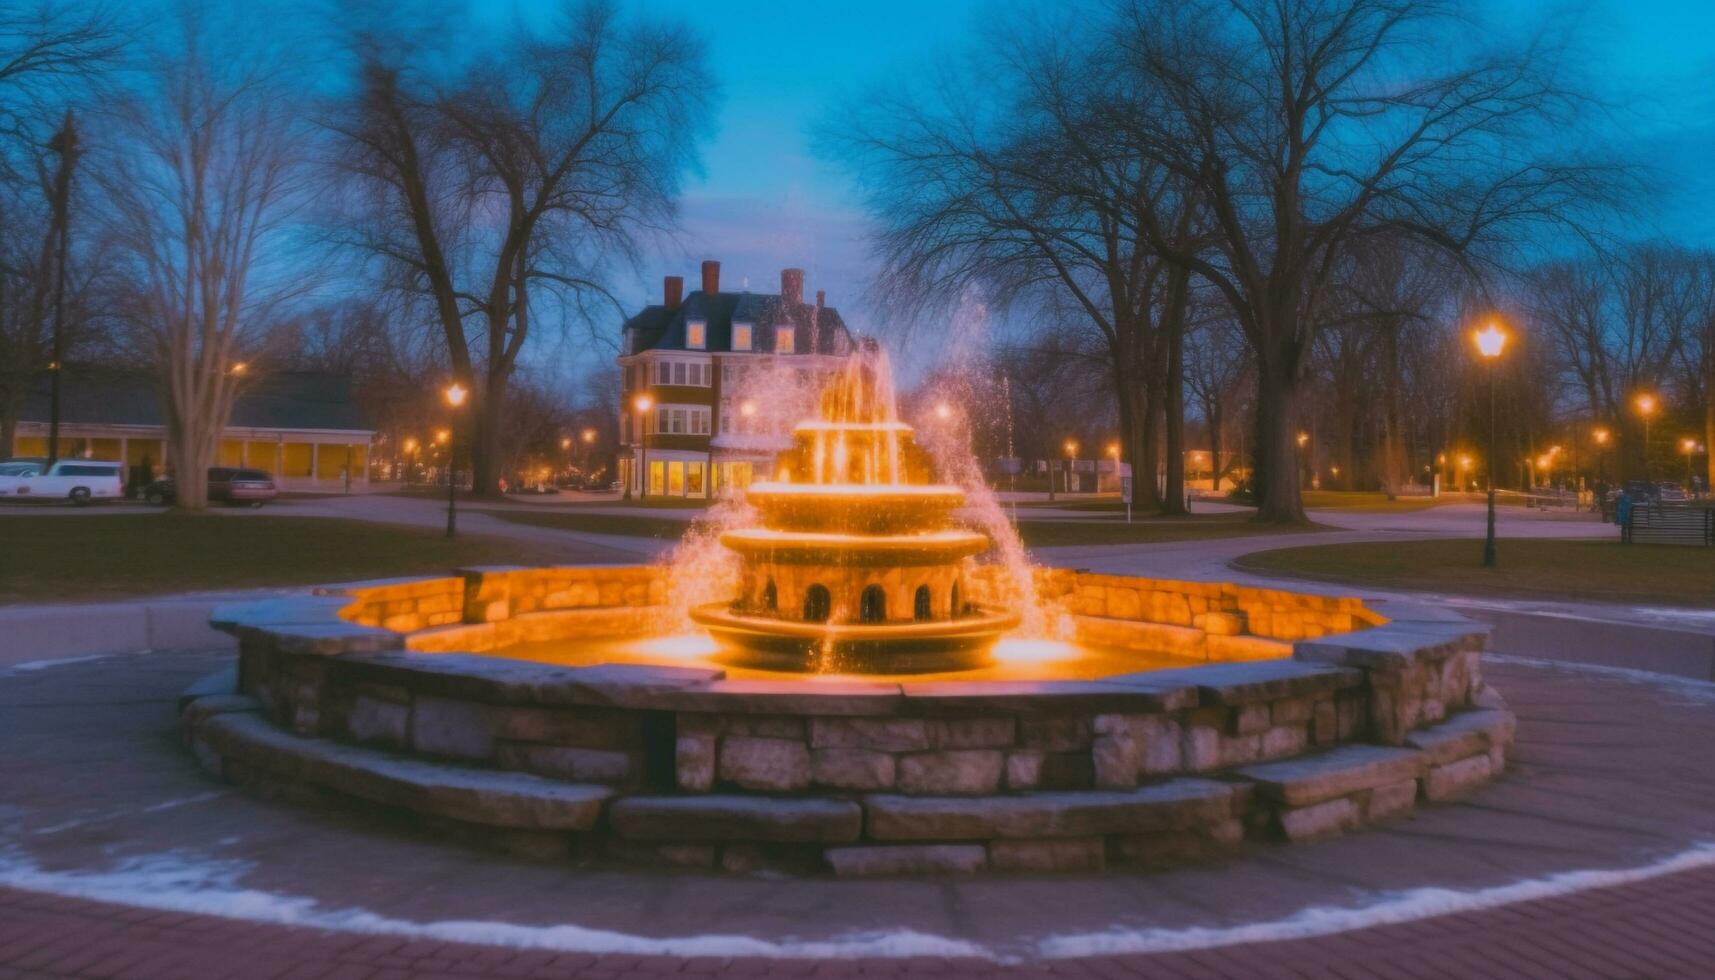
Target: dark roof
283, 400
662, 329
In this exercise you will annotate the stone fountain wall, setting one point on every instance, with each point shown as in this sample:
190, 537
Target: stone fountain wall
359, 692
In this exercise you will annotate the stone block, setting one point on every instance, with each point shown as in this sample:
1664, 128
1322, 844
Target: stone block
776, 765
972, 733
955, 771
694, 762
775, 858
1455, 779
1175, 805
1123, 603
881, 734
857, 769
1264, 680
1391, 800
1325, 723
1326, 819
1223, 623
765, 726
1116, 760
374, 720
569, 762
1282, 741
1024, 769
1200, 746
887, 860
447, 727
1048, 854
1239, 750
1393, 647
726, 818
1338, 772
1250, 719
1291, 711
1464, 734
1056, 734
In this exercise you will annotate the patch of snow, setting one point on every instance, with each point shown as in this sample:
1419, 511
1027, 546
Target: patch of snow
199, 886
1386, 909
202, 886
1693, 690
152, 808
33, 665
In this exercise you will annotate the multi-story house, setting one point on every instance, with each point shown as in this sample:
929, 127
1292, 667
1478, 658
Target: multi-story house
715, 381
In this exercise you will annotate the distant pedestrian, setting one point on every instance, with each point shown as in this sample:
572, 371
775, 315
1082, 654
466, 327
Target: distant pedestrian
1623, 516
1602, 499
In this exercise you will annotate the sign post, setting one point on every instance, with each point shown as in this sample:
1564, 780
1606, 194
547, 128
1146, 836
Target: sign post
1125, 494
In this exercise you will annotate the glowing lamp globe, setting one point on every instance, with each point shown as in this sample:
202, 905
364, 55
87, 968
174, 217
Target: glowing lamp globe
1491, 340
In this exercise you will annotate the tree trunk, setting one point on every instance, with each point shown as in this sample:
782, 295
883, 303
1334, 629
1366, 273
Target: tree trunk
1213, 418
1276, 471
1146, 469
483, 437
190, 452
1173, 378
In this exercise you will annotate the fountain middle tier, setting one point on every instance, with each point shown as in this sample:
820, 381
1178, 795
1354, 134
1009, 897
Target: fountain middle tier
855, 508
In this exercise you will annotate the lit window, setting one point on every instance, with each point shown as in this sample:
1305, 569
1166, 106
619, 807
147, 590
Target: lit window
785, 339
741, 336
694, 335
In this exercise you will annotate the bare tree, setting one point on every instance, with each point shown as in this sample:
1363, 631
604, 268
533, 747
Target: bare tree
1024, 174
202, 186
509, 192
1308, 127
49, 56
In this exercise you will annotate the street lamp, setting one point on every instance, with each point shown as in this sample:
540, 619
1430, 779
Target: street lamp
1646, 404
1490, 341
643, 403
455, 395
1688, 446
1071, 457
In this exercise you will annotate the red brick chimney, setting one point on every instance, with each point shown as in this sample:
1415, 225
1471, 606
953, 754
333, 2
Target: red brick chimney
792, 286
711, 277
821, 298
672, 291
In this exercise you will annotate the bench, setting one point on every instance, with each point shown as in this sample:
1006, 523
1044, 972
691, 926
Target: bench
1673, 524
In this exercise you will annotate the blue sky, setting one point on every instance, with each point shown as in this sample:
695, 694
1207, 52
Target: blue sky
765, 201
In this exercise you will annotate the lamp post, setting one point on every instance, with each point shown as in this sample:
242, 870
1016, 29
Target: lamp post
1490, 341
455, 395
643, 403
1688, 446
1646, 405
1071, 457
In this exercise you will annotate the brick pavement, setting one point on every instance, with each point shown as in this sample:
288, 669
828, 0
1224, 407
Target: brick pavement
1659, 928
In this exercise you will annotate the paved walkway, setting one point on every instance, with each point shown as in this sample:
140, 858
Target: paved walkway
118, 857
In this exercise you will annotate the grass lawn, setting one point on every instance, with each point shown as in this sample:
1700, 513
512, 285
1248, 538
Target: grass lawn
1042, 534
1366, 501
594, 521
96, 556
1597, 571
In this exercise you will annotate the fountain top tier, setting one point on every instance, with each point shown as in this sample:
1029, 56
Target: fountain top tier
857, 565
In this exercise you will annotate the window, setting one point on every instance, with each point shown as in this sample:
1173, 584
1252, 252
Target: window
679, 373
872, 605
663, 373
726, 372
694, 479
924, 604
700, 422
696, 334
678, 421
675, 479
726, 424
785, 339
817, 604
741, 336
770, 597
954, 605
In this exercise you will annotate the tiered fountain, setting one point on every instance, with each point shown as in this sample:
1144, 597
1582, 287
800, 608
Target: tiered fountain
858, 566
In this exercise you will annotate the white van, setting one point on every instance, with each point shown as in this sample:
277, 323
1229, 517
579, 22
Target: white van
76, 480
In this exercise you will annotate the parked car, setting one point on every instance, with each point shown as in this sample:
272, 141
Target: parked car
21, 467
226, 484
78, 480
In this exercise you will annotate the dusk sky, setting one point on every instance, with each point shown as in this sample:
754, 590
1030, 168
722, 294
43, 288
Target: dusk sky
766, 201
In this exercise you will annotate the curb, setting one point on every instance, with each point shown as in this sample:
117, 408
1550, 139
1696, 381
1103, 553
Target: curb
32, 633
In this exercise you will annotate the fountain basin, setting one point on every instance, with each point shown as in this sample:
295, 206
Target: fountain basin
1244, 716
930, 646
887, 509
868, 550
